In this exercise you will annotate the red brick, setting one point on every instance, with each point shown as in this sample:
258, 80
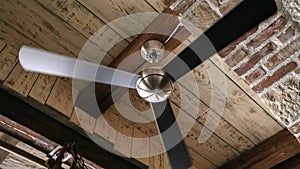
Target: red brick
266, 34
224, 52
295, 129
236, 58
289, 33
255, 58
284, 70
259, 72
283, 54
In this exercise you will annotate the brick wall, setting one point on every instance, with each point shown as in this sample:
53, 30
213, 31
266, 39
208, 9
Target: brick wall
267, 57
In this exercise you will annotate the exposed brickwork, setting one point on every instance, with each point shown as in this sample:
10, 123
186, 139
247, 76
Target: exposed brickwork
283, 54
289, 33
266, 34
255, 58
224, 52
284, 70
236, 58
259, 72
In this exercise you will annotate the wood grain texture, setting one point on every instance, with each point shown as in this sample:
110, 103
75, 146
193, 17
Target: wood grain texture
111, 117
140, 148
240, 82
110, 10
85, 121
8, 59
269, 153
42, 87
240, 110
215, 149
60, 98
20, 81
123, 141
85, 22
2, 45
158, 5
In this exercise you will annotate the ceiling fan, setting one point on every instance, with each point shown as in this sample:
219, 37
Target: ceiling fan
156, 85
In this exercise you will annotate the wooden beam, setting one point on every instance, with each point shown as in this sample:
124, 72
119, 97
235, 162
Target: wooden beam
19, 152
8, 139
291, 163
21, 112
269, 153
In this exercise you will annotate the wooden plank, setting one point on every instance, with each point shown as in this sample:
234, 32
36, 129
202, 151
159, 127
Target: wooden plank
200, 162
8, 59
240, 110
269, 153
214, 149
124, 138
12, 37
2, 45
240, 82
60, 98
158, 5
182, 96
26, 115
140, 148
85, 121
110, 10
42, 87
20, 81
107, 123
85, 22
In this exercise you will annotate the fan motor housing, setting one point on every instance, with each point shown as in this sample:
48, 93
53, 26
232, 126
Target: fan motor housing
154, 85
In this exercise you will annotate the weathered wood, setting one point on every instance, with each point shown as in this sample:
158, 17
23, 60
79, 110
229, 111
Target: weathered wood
216, 60
215, 149
60, 97
291, 163
157, 4
52, 129
85, 121
85, 22
269, 153
138, 148
106, 124
110, 10
124, 137
252, 118
8, 139
42, 87
135, 60
8, 59
15, 150
20, 81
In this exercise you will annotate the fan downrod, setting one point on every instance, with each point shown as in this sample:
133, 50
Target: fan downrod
154, 85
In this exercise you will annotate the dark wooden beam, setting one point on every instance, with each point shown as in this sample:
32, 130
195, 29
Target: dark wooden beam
23, 113
291, 163
269, 153
8, 139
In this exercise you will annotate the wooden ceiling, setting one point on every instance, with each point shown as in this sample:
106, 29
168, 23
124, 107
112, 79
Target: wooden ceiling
64, 26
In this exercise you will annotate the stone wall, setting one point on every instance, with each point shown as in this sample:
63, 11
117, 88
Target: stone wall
267, 57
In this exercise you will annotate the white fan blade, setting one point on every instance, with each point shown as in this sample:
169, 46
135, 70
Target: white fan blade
36, 60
